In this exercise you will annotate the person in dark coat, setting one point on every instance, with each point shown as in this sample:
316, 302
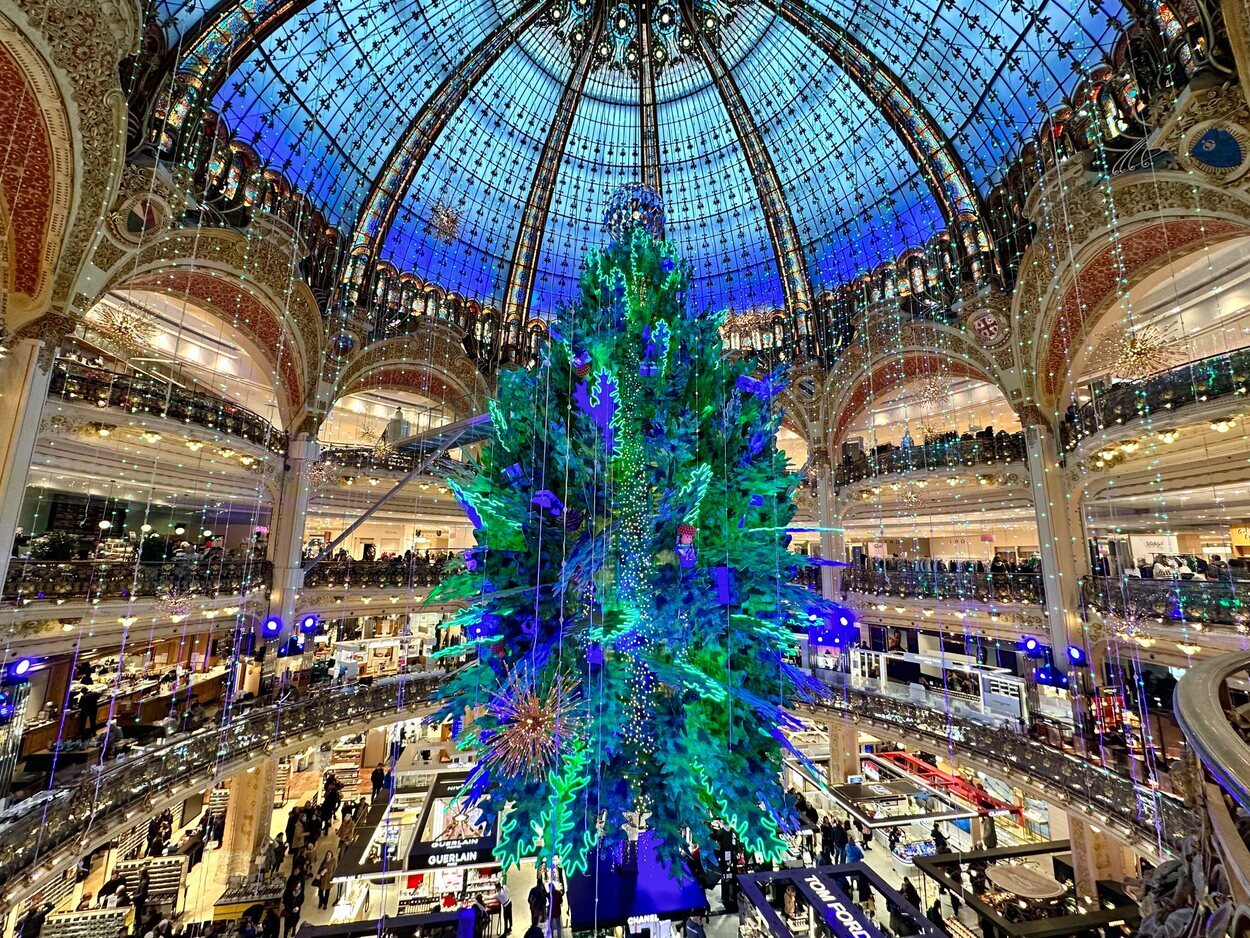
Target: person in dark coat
826, 841
839, 842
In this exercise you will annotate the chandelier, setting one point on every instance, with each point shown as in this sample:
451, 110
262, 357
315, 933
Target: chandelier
934, 393
173, 605
124, 328
1137, 353
444, 222
320, 474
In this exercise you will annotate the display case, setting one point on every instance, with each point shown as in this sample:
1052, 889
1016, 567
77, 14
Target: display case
93, 923
166, 877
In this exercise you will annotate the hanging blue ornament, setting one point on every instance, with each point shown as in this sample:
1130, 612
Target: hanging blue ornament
549, 501
726, 583
514, 473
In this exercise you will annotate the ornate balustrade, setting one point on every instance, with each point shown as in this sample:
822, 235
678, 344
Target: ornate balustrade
1196, 382
30, 581
1216, 602
138, 394
425, 569
368, 458
924, 584
104, 799
1217, 733
952, 453
1151, 816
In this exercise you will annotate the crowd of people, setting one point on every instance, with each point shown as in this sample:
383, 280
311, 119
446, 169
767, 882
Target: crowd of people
1006, 576
310, 865
947, 449
1182, 567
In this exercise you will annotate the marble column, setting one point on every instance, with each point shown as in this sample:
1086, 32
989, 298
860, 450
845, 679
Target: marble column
1065, 559
1062, 544
1097, 856
248, 817
287, 533
832, 543
843, 751
25, 376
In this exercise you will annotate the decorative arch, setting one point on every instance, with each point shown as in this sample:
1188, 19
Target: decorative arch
264, 332
1094, 289
38, 178
1065, 289
433, 365
891, 369
229, 272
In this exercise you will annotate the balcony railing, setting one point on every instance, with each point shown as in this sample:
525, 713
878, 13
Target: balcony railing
912, 583
1218, 732
425, 569
137, 394
1153, 816
31, 581
948, 452
1196, 382
103, 799
1217, 602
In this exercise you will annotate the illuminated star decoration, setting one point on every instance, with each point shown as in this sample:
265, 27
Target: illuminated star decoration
124, 327
382, 447
1131, 623
444, 222
1137, 353
934, 393
531, 727
320, 474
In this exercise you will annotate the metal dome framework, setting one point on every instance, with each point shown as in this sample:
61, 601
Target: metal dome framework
791, 157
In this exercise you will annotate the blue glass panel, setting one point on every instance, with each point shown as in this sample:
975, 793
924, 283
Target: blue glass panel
482, 163
325, 97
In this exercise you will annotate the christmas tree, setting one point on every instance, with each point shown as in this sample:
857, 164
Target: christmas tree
630, 609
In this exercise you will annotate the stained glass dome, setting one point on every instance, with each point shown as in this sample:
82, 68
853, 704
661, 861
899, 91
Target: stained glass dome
796, 143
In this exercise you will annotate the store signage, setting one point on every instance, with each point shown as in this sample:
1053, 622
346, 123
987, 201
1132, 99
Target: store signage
1146, 546
878, 791
457, 844
838, 914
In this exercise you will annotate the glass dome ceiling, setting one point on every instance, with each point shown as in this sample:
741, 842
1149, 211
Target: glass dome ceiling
797, 143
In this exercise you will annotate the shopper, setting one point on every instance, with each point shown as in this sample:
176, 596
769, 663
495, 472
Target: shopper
537, 900
839, 842
826, 841
504, 898
347, 832
910, 893
325, 878
142, 890
376, 779
557, 909
940, 843
270, 924
934, 915
291, 921
853, 853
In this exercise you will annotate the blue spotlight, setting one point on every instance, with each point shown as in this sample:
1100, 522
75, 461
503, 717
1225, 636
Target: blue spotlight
272, 626
308, 624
